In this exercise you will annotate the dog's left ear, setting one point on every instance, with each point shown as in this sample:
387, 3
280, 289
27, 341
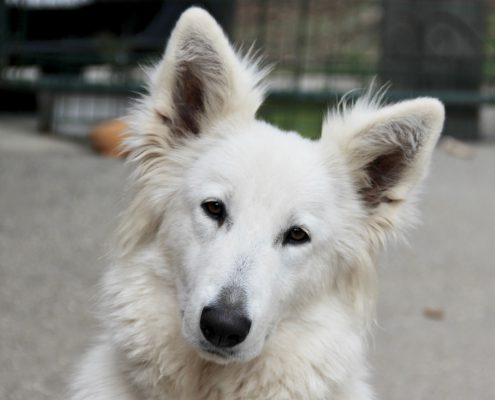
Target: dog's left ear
201, 79
387, 151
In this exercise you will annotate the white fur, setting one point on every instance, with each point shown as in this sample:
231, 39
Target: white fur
310, 304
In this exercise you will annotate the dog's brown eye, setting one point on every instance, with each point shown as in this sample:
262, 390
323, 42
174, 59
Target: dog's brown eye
214, 209
296, 235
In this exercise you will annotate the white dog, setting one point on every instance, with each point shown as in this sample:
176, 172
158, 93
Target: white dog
244, 267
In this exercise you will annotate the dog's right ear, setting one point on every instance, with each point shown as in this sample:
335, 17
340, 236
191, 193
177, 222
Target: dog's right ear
201, 79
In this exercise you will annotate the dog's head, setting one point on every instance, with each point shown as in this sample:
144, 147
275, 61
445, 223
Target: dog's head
256, 223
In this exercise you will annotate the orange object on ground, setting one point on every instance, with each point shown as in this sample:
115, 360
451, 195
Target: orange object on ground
108, 136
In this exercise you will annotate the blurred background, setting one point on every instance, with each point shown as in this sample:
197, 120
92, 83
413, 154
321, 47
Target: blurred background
70, 68
77, 62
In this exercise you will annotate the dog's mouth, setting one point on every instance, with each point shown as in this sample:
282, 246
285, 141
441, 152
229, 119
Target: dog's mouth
218, 355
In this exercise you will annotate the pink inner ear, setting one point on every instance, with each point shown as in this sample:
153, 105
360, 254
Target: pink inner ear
382, 174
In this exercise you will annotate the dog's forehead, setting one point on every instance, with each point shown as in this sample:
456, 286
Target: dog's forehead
261, 160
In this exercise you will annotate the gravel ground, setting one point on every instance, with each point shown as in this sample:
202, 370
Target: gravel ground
58, 204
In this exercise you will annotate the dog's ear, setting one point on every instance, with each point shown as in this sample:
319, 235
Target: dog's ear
387, 150
201, 78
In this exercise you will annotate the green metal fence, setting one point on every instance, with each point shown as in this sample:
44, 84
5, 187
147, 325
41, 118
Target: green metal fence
321, 49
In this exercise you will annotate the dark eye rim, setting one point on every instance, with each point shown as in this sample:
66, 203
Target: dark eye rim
290, 239
217, 216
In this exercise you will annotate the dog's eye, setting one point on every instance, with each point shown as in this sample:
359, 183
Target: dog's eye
296, 235
214, 209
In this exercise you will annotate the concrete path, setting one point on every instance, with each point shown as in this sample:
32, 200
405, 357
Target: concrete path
58, 204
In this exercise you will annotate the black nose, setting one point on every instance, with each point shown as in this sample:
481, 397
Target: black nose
224, 326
